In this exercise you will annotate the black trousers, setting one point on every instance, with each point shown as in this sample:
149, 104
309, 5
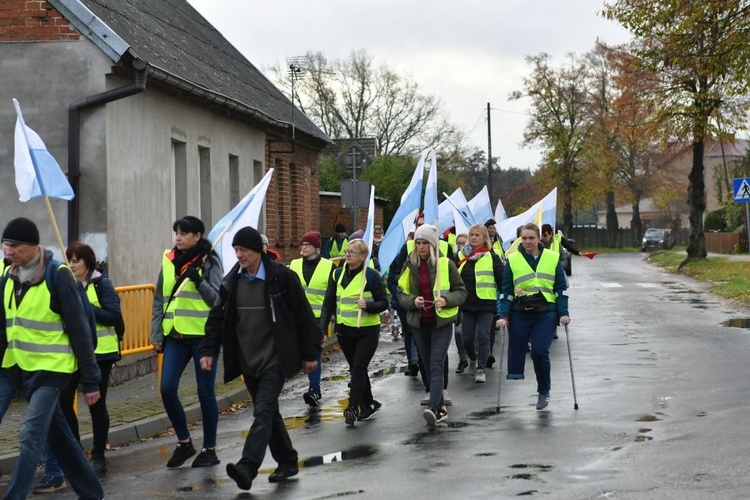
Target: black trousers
358, 351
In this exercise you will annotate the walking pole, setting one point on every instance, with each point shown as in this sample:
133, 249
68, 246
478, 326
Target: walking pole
572, 378
500, 367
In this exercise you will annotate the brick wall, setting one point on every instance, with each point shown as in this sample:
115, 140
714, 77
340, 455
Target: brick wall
292, 202
33, 21
331, 214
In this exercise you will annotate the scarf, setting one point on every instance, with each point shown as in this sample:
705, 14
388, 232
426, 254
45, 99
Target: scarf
195, 256
475, 254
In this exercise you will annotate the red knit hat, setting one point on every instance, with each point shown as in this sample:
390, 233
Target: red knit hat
313, 238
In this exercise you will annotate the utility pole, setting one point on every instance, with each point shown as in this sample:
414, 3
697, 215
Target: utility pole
489, 153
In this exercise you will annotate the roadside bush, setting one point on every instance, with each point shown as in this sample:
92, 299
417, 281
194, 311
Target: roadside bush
715, 221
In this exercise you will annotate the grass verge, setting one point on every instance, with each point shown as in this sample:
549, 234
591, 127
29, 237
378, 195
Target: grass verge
728, 278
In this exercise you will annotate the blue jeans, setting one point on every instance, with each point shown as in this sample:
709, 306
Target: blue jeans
268, 428
44, 423
314, 376
6, 391
538, 331
177, 354
475, 329
433, 346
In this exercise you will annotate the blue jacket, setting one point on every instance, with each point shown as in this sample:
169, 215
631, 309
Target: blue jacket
505, 301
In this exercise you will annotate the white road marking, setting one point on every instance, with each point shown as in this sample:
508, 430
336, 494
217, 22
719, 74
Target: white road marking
649, 285
611, 285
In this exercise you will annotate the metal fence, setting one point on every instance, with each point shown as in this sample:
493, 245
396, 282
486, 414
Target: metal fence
136, 303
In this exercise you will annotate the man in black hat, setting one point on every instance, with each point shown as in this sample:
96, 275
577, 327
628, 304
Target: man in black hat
268, 333
497, 243
44, 338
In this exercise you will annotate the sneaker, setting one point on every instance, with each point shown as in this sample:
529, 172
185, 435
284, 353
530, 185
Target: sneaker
434, 417
240, 475
447, 400
480, 377
181, 453
425, 401
431, 418
542, 401
367, 413
414, 370
462, 365
350, 416
472, 365
50, 484
376, 404
442, 415
206, 458
490, 361
312, 398
98, 463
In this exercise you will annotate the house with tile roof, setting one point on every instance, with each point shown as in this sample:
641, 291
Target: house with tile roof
154, 115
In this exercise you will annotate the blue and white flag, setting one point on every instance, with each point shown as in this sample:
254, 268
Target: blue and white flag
445, 216
37, 172
246, 213
370, 226
500, 214
462, 217
431, 211
480, 207
403, 220
547, 207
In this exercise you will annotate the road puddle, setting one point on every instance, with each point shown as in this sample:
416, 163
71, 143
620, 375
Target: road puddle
355, 453
737, 323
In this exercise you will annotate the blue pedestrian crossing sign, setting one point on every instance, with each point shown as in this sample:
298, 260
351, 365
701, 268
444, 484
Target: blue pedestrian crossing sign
741, 190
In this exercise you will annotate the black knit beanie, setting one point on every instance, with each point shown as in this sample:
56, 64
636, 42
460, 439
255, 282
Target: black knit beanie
21, 230
248, 237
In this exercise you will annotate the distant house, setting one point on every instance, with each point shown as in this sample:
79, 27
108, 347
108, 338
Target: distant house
731, 150
154, 115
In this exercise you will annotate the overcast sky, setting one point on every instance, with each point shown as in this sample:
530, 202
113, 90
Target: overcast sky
468, 53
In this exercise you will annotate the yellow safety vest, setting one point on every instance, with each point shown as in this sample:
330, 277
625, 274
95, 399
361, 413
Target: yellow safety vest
336, 251
443, 277
498, 248
442, 247
187, 313
316, 289
530, 282
36, 339
346, 302
484, 276
556, 242
106, 338
452, 242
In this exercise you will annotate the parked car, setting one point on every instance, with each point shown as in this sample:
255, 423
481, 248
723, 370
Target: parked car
657, 239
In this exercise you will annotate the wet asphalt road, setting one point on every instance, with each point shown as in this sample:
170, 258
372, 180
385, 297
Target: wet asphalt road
661, 384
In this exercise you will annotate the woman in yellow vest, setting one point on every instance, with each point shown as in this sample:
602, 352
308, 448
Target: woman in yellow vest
533, 301
430, 290
314, 273
482, 271
356, 291
177, 329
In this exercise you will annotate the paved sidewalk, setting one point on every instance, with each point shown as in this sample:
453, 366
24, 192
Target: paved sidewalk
135, 410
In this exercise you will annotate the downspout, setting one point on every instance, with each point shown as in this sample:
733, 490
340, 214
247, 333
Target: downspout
74, 136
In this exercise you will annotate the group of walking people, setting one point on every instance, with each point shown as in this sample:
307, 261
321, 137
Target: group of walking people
268, 321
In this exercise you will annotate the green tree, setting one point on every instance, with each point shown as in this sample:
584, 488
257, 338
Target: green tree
559, 123
698, 55
331, 173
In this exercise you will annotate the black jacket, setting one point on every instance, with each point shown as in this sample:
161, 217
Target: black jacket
295, 329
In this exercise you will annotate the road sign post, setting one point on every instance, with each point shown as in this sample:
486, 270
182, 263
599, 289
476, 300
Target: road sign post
742, 195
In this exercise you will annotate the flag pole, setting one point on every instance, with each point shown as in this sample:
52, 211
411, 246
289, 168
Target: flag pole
57, 230
437, 265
